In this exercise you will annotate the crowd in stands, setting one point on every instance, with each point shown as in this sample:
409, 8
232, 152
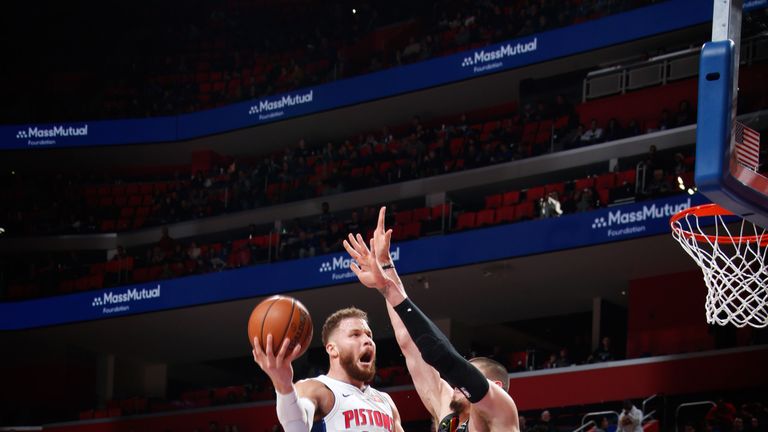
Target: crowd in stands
75, 203
184, 58
323, 233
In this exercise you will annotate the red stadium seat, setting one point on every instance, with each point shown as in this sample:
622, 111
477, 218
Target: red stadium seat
607, 180
505, 214
466, 220
440, 211
555, 187
485, 217
629, 176
422, 214
404, 217
584, 183
534, 193
510, 198
524, 210
493, 201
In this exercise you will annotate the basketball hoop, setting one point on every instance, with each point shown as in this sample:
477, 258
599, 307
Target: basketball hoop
734, 266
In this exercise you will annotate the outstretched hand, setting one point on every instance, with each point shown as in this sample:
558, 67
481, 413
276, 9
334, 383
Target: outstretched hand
277, 366
369, 260
367, 267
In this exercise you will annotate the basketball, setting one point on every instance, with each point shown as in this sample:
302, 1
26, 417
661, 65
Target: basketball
283, 317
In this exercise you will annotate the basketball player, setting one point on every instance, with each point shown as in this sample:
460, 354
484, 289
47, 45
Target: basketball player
461, 395
341, 400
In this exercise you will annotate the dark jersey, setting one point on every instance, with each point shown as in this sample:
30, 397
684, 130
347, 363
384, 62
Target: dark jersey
451, 424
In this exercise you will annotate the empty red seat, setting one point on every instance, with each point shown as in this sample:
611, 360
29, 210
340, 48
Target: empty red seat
524, 210
555, 187
440, 211
493, 201
134, 200
534, 193
404, 217
505, 214
584, 183
628, 176
485, 217
607, 180
422, 214
466, 220
413, 230
107, 225
132, 189
604, 195
510, 198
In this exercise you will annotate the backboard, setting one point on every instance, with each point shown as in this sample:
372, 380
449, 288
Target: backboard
723, 173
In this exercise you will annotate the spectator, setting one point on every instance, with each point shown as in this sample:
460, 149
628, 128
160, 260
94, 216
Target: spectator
545, 422
633, 129
684, 115
665, 122
166, 244
601, 425
550, 362
738, 425
603, 353
630, 419
592, 135
659, 186
563, 359
720, 417
572, 139
522, 422
613, 130
585, 200
549, 206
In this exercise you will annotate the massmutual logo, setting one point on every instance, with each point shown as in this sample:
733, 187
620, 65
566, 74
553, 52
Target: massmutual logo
273, 107
620, 222
119, 301
339, 266
37, 136
482, 60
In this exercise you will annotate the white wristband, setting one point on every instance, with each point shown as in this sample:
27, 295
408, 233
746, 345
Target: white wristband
295, 414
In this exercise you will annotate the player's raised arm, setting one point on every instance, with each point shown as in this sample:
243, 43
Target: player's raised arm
492, 404
434, 393
295, 411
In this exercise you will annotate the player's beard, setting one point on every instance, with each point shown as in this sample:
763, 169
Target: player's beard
349, 363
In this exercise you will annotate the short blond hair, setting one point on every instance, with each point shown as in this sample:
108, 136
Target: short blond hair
333, 321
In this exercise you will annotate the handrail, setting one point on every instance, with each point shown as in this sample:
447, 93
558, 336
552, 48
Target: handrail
647, 416
582, 427
689, 404
597, 413
645, 402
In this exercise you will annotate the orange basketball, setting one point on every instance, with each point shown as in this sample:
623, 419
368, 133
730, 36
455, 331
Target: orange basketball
283, 317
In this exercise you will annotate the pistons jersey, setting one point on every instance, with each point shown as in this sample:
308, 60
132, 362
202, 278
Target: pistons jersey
366, 410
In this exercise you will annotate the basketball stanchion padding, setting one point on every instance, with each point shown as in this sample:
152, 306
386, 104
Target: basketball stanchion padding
731, 252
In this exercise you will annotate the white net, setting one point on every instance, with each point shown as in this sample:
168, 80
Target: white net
732, 256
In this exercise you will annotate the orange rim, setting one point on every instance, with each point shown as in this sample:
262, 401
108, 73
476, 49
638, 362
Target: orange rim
711, 210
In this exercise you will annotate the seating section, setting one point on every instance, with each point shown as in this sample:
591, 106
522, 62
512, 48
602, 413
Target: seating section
245, 49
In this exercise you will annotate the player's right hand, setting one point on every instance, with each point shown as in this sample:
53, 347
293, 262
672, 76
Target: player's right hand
277, 366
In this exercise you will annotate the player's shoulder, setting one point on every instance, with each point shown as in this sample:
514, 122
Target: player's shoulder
498, 409
312, 387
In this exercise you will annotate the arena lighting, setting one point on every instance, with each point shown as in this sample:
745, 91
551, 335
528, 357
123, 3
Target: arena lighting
354, 11
2, 230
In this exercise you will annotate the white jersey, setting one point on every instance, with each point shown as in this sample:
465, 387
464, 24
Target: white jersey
366, 410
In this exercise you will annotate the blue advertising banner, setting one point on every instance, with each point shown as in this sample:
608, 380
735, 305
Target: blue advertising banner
432, 253
635, 24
